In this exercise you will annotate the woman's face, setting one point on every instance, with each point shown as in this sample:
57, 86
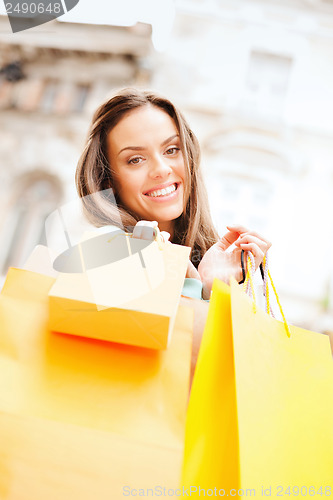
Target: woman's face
144, 153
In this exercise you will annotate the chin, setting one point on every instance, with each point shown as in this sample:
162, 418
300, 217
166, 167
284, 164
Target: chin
169, 217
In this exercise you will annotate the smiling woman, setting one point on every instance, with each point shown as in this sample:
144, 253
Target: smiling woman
141, 147
150, 172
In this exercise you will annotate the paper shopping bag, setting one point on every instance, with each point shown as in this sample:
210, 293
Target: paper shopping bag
211, 441
84, 418
261, 408
129, 297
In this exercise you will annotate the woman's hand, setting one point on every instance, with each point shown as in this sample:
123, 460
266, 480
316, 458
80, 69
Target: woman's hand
218, 263
250, 241
144, 229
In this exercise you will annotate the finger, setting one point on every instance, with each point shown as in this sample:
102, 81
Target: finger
148, 233
238, 228
243, 231
145, 230
259, 236
258, 254
144, 233
150, 223
249, 238
153, 223
228, 239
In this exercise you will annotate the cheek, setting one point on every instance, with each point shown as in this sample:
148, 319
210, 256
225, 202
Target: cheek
129, 186
181, 169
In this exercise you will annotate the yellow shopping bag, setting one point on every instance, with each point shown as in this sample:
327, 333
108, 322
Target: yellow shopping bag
260, 414
83, 418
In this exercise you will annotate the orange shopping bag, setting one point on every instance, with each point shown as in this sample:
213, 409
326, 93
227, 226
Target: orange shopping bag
119, 288
84, 418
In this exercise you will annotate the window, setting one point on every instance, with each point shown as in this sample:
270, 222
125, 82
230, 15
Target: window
35, 198
81, 95
267, 83
49, 95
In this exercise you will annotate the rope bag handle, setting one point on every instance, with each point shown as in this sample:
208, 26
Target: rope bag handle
248, 287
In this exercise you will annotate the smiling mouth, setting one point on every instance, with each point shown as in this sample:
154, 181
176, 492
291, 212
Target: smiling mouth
159, 193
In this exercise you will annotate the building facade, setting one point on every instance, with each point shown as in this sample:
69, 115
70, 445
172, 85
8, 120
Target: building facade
254, 79
262, 107
50, 85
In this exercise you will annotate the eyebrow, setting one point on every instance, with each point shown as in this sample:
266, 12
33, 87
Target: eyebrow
140, 148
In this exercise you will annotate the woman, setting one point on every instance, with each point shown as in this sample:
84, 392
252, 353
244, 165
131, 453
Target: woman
142, 148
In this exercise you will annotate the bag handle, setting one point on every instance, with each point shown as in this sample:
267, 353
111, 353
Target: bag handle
248, 287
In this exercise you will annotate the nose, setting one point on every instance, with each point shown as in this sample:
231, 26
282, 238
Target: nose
160, 167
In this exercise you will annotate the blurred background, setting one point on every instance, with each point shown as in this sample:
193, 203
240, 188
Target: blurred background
253, 78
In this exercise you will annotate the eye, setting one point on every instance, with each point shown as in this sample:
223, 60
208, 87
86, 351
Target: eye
172, 151
135, 161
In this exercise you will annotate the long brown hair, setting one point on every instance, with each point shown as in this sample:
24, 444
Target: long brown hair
194, 228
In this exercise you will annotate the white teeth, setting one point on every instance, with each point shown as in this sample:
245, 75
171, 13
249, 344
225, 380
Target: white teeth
163, 192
